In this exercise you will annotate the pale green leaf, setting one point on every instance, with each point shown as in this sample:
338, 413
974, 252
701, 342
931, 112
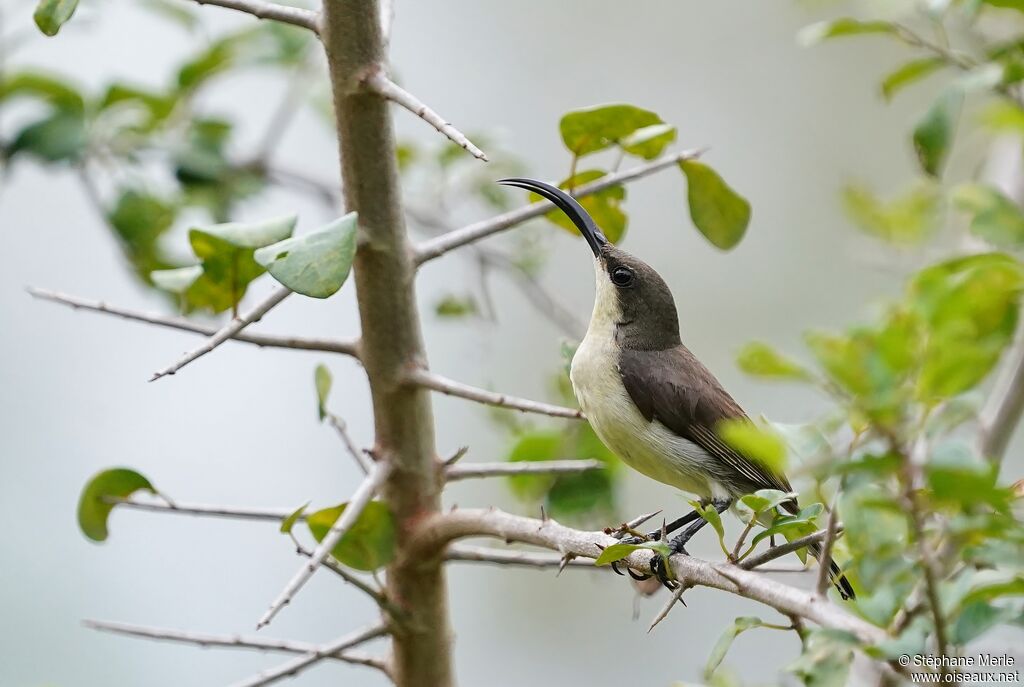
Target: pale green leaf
314, 264
176, 280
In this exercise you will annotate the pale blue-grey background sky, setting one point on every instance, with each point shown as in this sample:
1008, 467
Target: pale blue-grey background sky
787, 126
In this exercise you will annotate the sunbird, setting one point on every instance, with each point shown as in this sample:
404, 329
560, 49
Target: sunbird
649, 399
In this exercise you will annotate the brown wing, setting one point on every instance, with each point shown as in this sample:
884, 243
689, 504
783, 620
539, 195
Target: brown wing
673, 387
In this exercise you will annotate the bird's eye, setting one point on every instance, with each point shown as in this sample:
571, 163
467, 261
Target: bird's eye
622, 276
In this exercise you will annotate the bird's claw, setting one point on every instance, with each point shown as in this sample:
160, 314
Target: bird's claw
661, 569
633, 540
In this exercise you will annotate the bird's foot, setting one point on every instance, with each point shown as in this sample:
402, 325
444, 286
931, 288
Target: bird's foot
660, 566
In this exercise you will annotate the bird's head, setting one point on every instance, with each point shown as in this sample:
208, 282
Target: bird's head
631, 296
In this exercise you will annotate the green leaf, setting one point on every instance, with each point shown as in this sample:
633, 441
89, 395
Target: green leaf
156, 106
58, 137
846, 26
721, 214
93, 506
369, 545
933, 136
905, 220
713, 518
597, 128
140, 220
764, 500
289, 523
908, 74
996, 218
176, 280
956, 476
650, 141
792, 527
978, 618
604, 206
1006, 4
314, 264
971, 306
323, 380
616, 552
760, 444
581, 494
50, 15
534, 446
453, 307
1003, 116
826, 658
50, 89
761, 360
724, 642
227, 255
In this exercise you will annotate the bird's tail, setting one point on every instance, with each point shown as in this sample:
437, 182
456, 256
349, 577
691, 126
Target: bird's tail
835, 573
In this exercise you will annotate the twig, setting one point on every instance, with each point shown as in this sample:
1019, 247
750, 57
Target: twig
230, 641
268, 10
436, 247
437, 531
825, 560
677, 596
430, 380
375, 594
343, 524
228, 331
357, 455
377, 82
1002, 410
296, 666
182, 324
237, 512
526, 559
782, 549
546, 467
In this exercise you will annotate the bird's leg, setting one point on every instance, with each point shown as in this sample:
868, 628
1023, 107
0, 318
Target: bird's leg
656, 536
659, 564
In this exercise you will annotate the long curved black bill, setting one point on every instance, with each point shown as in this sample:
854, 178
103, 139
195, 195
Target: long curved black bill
567, 204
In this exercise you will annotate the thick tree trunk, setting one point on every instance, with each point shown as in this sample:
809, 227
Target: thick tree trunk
391, 338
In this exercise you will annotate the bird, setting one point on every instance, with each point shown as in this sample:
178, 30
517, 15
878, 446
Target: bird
649, 399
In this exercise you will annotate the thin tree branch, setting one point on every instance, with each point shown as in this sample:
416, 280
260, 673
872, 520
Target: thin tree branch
343, 524
296, 666
230, 641
296, 16
200, 509
1002, 410
525, 559
430, 380
228, 331
439, 530
825, 560
357, 455
436, 247
377, 595
377, 82
350, 347
781, 550
546, 467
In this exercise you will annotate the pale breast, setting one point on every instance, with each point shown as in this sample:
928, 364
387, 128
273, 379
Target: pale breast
648, 447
